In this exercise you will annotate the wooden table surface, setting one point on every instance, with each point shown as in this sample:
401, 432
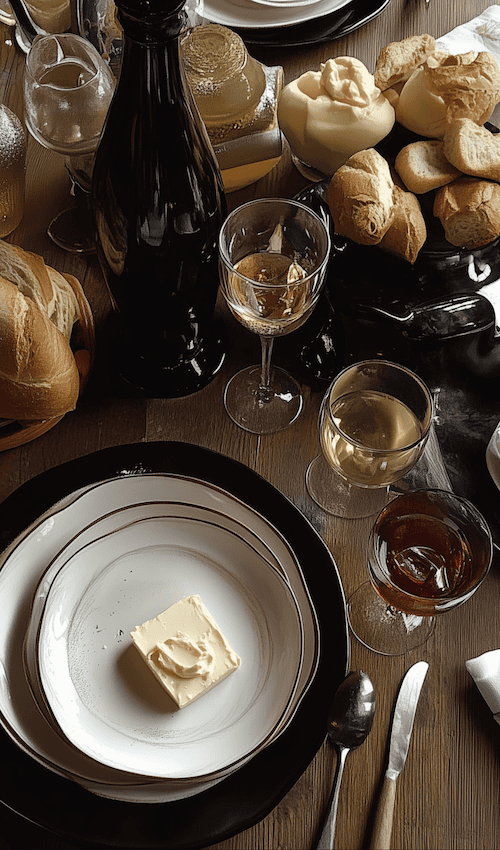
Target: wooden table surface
448, 793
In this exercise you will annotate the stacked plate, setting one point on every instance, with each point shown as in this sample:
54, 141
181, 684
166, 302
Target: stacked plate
75, 694
264, 14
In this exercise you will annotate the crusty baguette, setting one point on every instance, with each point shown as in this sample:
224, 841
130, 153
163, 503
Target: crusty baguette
49, 289
397, 60
38, 374
361, 197
469, 210
473, 149
423, 166
408, 232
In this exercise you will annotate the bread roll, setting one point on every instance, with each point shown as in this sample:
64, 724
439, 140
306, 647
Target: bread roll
473, 149
469, 210
38, 374
408, 232
469, 85
397, 60
361, 198
423, 166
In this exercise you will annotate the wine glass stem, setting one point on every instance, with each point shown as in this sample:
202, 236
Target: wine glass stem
265, 391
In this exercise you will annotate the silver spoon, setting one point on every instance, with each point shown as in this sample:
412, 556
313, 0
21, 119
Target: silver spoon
349, 721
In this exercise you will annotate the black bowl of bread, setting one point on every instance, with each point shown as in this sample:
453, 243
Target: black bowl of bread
415, 220
47, 345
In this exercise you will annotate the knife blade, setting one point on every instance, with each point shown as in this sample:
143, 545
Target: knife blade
402, 726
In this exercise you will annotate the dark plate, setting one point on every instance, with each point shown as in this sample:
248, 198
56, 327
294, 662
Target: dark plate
252, 792
440, 317
325, 28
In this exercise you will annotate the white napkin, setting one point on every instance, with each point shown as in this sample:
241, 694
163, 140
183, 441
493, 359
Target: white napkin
485, 670
493, 456
481, 33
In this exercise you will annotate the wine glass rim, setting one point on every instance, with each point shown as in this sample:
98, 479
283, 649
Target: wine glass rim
383, 451
93, 58
262, 284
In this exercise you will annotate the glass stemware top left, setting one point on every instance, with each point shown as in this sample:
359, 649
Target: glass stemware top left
68, 88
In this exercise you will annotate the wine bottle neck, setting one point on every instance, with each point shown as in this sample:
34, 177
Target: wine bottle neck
153, 27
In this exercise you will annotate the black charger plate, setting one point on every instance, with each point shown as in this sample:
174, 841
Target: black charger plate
247, 796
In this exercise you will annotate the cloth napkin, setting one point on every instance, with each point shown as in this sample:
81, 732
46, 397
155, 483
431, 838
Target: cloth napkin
485, 670
481, 33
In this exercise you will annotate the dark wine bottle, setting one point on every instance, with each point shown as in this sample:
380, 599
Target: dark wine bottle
158, 203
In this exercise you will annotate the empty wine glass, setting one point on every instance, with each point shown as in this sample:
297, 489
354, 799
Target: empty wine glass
428, 552
273, 260
374, 422
67, 92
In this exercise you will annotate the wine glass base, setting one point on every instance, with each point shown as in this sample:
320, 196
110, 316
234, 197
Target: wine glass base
256, 411
384, 629
72, 230
336, 496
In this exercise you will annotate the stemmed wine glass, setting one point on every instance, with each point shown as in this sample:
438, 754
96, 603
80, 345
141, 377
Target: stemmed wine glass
374, 422
67, 91
273, 260
428, 552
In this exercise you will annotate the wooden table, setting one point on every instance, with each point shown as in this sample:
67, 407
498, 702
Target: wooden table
448, 793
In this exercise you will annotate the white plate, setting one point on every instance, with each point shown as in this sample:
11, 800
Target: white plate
242, 13
111, 522
285, 4
102, 695
26, 559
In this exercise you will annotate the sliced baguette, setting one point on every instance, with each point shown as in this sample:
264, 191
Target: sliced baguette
469, 210
397, 60
423, 166
473, 149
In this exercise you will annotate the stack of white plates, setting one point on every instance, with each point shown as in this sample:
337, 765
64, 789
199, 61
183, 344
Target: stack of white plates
75, 694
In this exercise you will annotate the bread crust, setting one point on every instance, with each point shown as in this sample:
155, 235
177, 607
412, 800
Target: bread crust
408, 231
468, 83
38, 374
423, 166
397, 60
49, 289
469, 210
473, 149
361, 198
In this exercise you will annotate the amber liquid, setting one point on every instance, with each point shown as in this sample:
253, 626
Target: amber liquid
370, 438
419, 561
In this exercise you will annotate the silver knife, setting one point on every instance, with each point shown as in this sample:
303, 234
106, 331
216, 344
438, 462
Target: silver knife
402, 725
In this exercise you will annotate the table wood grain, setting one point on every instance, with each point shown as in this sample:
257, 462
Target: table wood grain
448, 793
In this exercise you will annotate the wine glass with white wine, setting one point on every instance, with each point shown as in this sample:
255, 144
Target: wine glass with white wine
67, 91
273, 261
374, 422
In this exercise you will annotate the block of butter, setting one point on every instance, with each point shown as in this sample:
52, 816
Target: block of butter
186, 650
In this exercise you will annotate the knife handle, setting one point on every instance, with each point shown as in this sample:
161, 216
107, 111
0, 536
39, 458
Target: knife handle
382, 828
